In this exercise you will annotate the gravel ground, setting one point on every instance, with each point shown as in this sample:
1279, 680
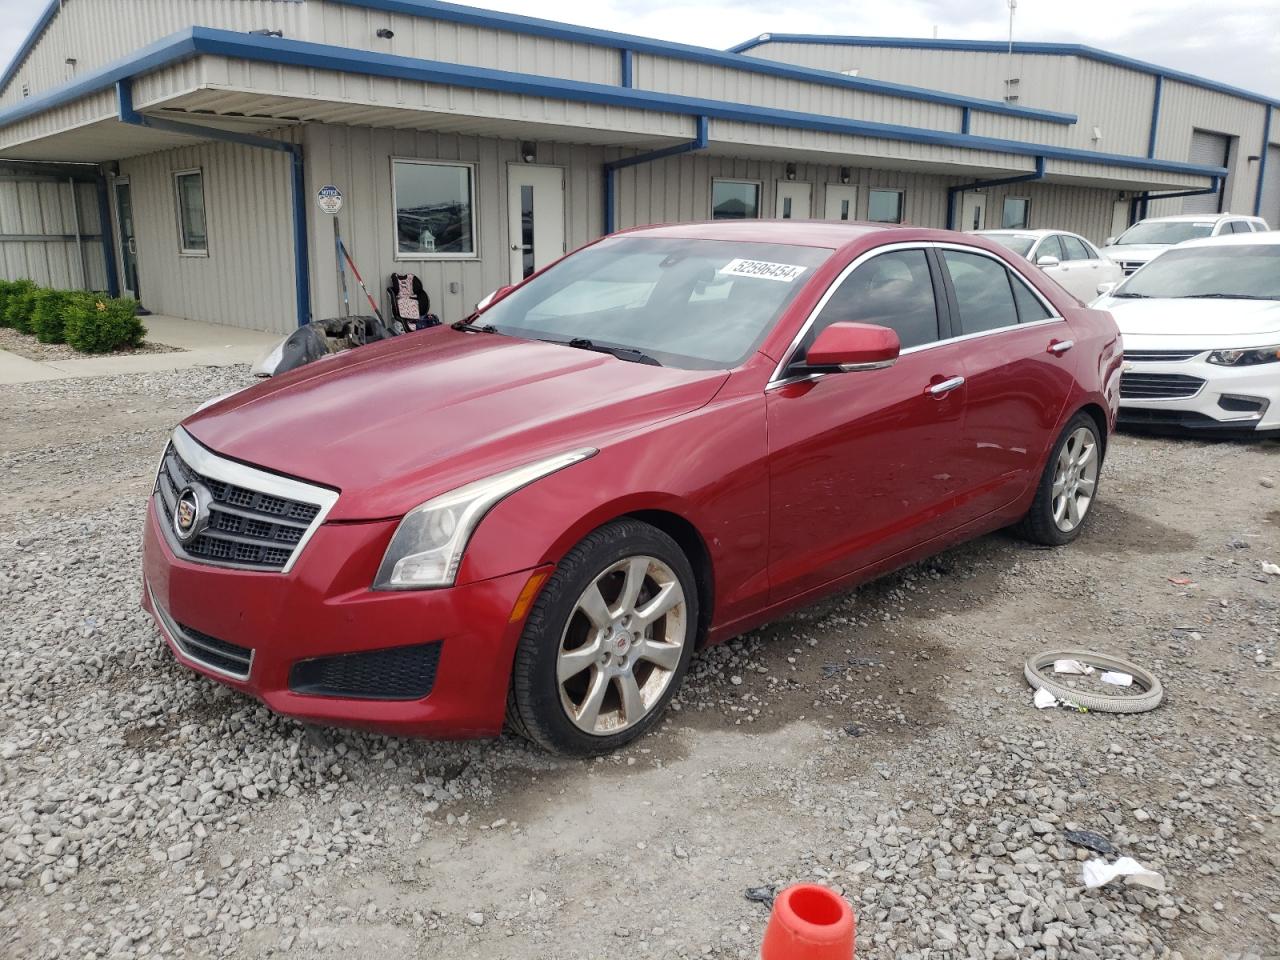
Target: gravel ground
26, 345
883, 742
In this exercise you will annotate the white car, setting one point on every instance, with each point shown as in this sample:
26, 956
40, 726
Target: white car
1201, 326
1149, 238
1068, 258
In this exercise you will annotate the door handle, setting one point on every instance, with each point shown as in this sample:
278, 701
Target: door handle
1060, 346
945, 387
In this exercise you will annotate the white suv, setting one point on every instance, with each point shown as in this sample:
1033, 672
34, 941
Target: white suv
1148, 238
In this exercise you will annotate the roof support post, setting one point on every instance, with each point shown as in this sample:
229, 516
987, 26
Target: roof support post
1157, 96
982, 184
628, 68
108, 244
1262, 165
966, 119
301, 261
611, 168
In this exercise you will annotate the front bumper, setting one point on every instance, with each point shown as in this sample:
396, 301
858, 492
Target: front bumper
324, 608
1235, 400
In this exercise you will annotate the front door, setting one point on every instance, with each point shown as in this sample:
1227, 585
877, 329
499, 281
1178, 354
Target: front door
973, 211
535, 210
842, 201
128, 242
793, 200
859, 462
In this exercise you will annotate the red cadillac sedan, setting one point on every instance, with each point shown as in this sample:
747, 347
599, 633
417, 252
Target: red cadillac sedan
667, 438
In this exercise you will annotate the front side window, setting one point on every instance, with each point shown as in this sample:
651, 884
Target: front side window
1236, 272
1014, 215
1050, 246
435, 209
735, 200
193, 233
695, 304
885, 206
893, 290
982, 289
1075, 250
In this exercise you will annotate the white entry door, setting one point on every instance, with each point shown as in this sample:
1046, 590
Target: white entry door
793, 201
535, 210
842, 201
973, 211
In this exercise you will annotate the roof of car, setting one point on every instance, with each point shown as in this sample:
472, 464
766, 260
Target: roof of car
1023, 233
832, 234
1270, 238
1197, 217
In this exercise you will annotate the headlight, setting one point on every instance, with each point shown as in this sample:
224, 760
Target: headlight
427, 547
1245, 358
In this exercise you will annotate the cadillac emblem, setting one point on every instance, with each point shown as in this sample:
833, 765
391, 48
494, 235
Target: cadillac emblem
191, 514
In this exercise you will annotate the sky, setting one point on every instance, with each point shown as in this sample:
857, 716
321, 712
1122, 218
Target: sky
1233, 41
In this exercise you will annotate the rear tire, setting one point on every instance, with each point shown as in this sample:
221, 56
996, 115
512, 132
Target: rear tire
607, 643
1068, 486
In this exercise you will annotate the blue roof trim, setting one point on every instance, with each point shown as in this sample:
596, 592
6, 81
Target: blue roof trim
537, 27
997, 46
37, 30
298, 53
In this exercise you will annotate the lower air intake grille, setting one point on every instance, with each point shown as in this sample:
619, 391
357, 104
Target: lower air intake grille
397, 673
1158, 386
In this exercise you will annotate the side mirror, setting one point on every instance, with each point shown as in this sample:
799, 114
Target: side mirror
1110, 241
495, 295
854, 346
1106, 288
1048, 260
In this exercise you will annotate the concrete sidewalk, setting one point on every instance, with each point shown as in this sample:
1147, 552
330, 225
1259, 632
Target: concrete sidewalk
201, 345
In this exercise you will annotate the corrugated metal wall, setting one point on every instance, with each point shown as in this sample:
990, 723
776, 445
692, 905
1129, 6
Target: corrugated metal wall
1271, 188
247, 279
95, 32
35, 207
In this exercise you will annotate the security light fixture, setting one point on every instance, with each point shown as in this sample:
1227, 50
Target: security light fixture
845, 174
529, 151
791, 171
385, 34
267, 33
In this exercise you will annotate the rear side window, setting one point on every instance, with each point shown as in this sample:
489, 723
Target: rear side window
983, 292
1239, 226
1074, 248
892, 290
1030, 307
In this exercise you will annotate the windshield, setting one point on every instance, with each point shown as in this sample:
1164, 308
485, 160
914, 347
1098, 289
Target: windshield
1019, 245
1165, 231
698, 304
1247, 272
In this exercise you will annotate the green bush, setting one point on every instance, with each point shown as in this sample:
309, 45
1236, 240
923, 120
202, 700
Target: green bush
18, 305
49, 313
100, 324
7, 288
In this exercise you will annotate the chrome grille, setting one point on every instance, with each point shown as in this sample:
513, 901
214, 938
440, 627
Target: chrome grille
1130, 266
1158, 386
1160, 356
250, 523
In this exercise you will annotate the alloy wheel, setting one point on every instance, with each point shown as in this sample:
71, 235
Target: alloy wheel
622, 645
1075, 479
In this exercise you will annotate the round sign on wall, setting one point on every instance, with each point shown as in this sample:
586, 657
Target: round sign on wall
329, 198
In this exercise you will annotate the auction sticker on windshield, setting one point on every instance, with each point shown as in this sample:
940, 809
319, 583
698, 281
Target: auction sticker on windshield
784, 272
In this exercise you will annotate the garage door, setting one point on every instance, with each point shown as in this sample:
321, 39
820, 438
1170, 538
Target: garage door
1210, 150
1271, 189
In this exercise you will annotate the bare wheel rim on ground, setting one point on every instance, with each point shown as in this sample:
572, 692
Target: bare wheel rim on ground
1075, 479
1145, 694
621, 645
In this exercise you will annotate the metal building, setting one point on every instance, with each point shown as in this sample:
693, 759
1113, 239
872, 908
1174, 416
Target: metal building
471, 147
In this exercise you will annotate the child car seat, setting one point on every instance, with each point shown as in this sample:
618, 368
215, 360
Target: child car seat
410, 305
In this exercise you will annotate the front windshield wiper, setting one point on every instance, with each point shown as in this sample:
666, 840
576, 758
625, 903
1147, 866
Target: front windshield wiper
470, 327
1223, 296
1133, 296
630, 354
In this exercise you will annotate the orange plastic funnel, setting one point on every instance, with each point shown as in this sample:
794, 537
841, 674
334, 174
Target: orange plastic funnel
809, 922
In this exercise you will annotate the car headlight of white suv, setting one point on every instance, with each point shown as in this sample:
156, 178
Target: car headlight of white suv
1245, 358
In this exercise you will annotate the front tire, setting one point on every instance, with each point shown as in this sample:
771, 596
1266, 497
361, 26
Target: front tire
1068, 486
607, 643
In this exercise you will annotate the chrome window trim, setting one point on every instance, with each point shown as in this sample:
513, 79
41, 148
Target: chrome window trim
777, 379
209, 464
178, 637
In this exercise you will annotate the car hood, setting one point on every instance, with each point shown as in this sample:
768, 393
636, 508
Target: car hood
396, 423
1135, 252
1203, 319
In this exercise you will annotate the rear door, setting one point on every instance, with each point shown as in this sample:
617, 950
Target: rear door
1018, 374
860, 462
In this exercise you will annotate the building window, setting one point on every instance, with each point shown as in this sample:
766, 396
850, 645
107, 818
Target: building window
1016, 214
435, 209
193, 232
884, 206
735, 200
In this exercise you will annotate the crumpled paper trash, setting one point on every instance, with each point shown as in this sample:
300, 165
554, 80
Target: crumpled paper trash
1117, 679
1072, 666
1044, 699
1095, 873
